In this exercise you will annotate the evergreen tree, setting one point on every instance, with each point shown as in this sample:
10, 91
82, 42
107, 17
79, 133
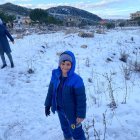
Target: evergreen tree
39, 15
110, 25
138, 20
122, 24
7, 18
52, 20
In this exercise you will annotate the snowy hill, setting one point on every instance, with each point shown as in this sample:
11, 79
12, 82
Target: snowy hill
72, 11
13, 9
108, 80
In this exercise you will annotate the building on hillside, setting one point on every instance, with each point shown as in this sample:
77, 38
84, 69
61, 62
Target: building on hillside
131, 23
135, 15
78, 21
22, 19
118, 22
26, 20
103, 22
72, 21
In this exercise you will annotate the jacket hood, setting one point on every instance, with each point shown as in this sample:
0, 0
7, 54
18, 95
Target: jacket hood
71, 71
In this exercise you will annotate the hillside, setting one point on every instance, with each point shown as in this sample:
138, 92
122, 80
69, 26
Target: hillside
60, 11
72, 11
14, 9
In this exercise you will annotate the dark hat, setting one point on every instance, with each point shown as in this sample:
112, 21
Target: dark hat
64, 57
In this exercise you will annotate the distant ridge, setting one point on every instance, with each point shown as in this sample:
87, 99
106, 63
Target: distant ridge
72, 11
60, 11
14, 9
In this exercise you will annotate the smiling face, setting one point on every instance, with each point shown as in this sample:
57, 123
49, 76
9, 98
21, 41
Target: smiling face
65, 67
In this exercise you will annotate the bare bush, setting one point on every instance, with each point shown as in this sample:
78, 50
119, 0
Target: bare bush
137, 66
104, 123
112, 104
30, 64
87, 126
134, 65
127, 71
123, 56
90, 80
87, 62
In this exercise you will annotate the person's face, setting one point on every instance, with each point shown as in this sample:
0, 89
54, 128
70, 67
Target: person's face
65, 67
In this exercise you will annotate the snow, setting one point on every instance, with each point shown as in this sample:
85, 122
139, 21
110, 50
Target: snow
22, 94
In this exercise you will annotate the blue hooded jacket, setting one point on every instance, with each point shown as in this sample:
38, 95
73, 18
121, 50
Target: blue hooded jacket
73, 93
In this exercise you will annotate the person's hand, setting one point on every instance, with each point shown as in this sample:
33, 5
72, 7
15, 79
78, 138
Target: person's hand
47, 111
79, 120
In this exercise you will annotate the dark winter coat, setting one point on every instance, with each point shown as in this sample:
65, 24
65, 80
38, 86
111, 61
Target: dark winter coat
73, 93
4, 44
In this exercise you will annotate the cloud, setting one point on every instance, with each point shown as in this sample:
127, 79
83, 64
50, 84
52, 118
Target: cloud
114, 12
26, 5
42, 6
87, 5
105, 3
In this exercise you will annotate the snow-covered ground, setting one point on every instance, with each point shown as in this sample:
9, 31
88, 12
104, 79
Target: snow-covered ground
22, 94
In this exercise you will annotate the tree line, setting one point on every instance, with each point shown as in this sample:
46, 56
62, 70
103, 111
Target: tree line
42, 17
37, 16
7, 18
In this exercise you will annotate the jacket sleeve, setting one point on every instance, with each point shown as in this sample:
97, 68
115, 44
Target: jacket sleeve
80, 99
48, 100
8, 34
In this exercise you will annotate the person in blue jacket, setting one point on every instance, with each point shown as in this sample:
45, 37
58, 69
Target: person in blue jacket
66, 95
4, 45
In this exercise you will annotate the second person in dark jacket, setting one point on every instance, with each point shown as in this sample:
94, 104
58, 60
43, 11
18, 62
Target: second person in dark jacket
66, 95
4, 45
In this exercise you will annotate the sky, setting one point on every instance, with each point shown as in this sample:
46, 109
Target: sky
106, 9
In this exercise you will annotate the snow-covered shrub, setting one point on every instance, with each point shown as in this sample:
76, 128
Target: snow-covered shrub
112, 103
127, 71
19, 36
59, 53
123, 56
90, 80
71, 31
100, 31
136, 66
108, 60
83, 34
84, 46
30, 71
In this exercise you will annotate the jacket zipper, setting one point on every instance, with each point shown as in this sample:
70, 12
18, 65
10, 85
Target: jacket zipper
56, 94
62, 94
